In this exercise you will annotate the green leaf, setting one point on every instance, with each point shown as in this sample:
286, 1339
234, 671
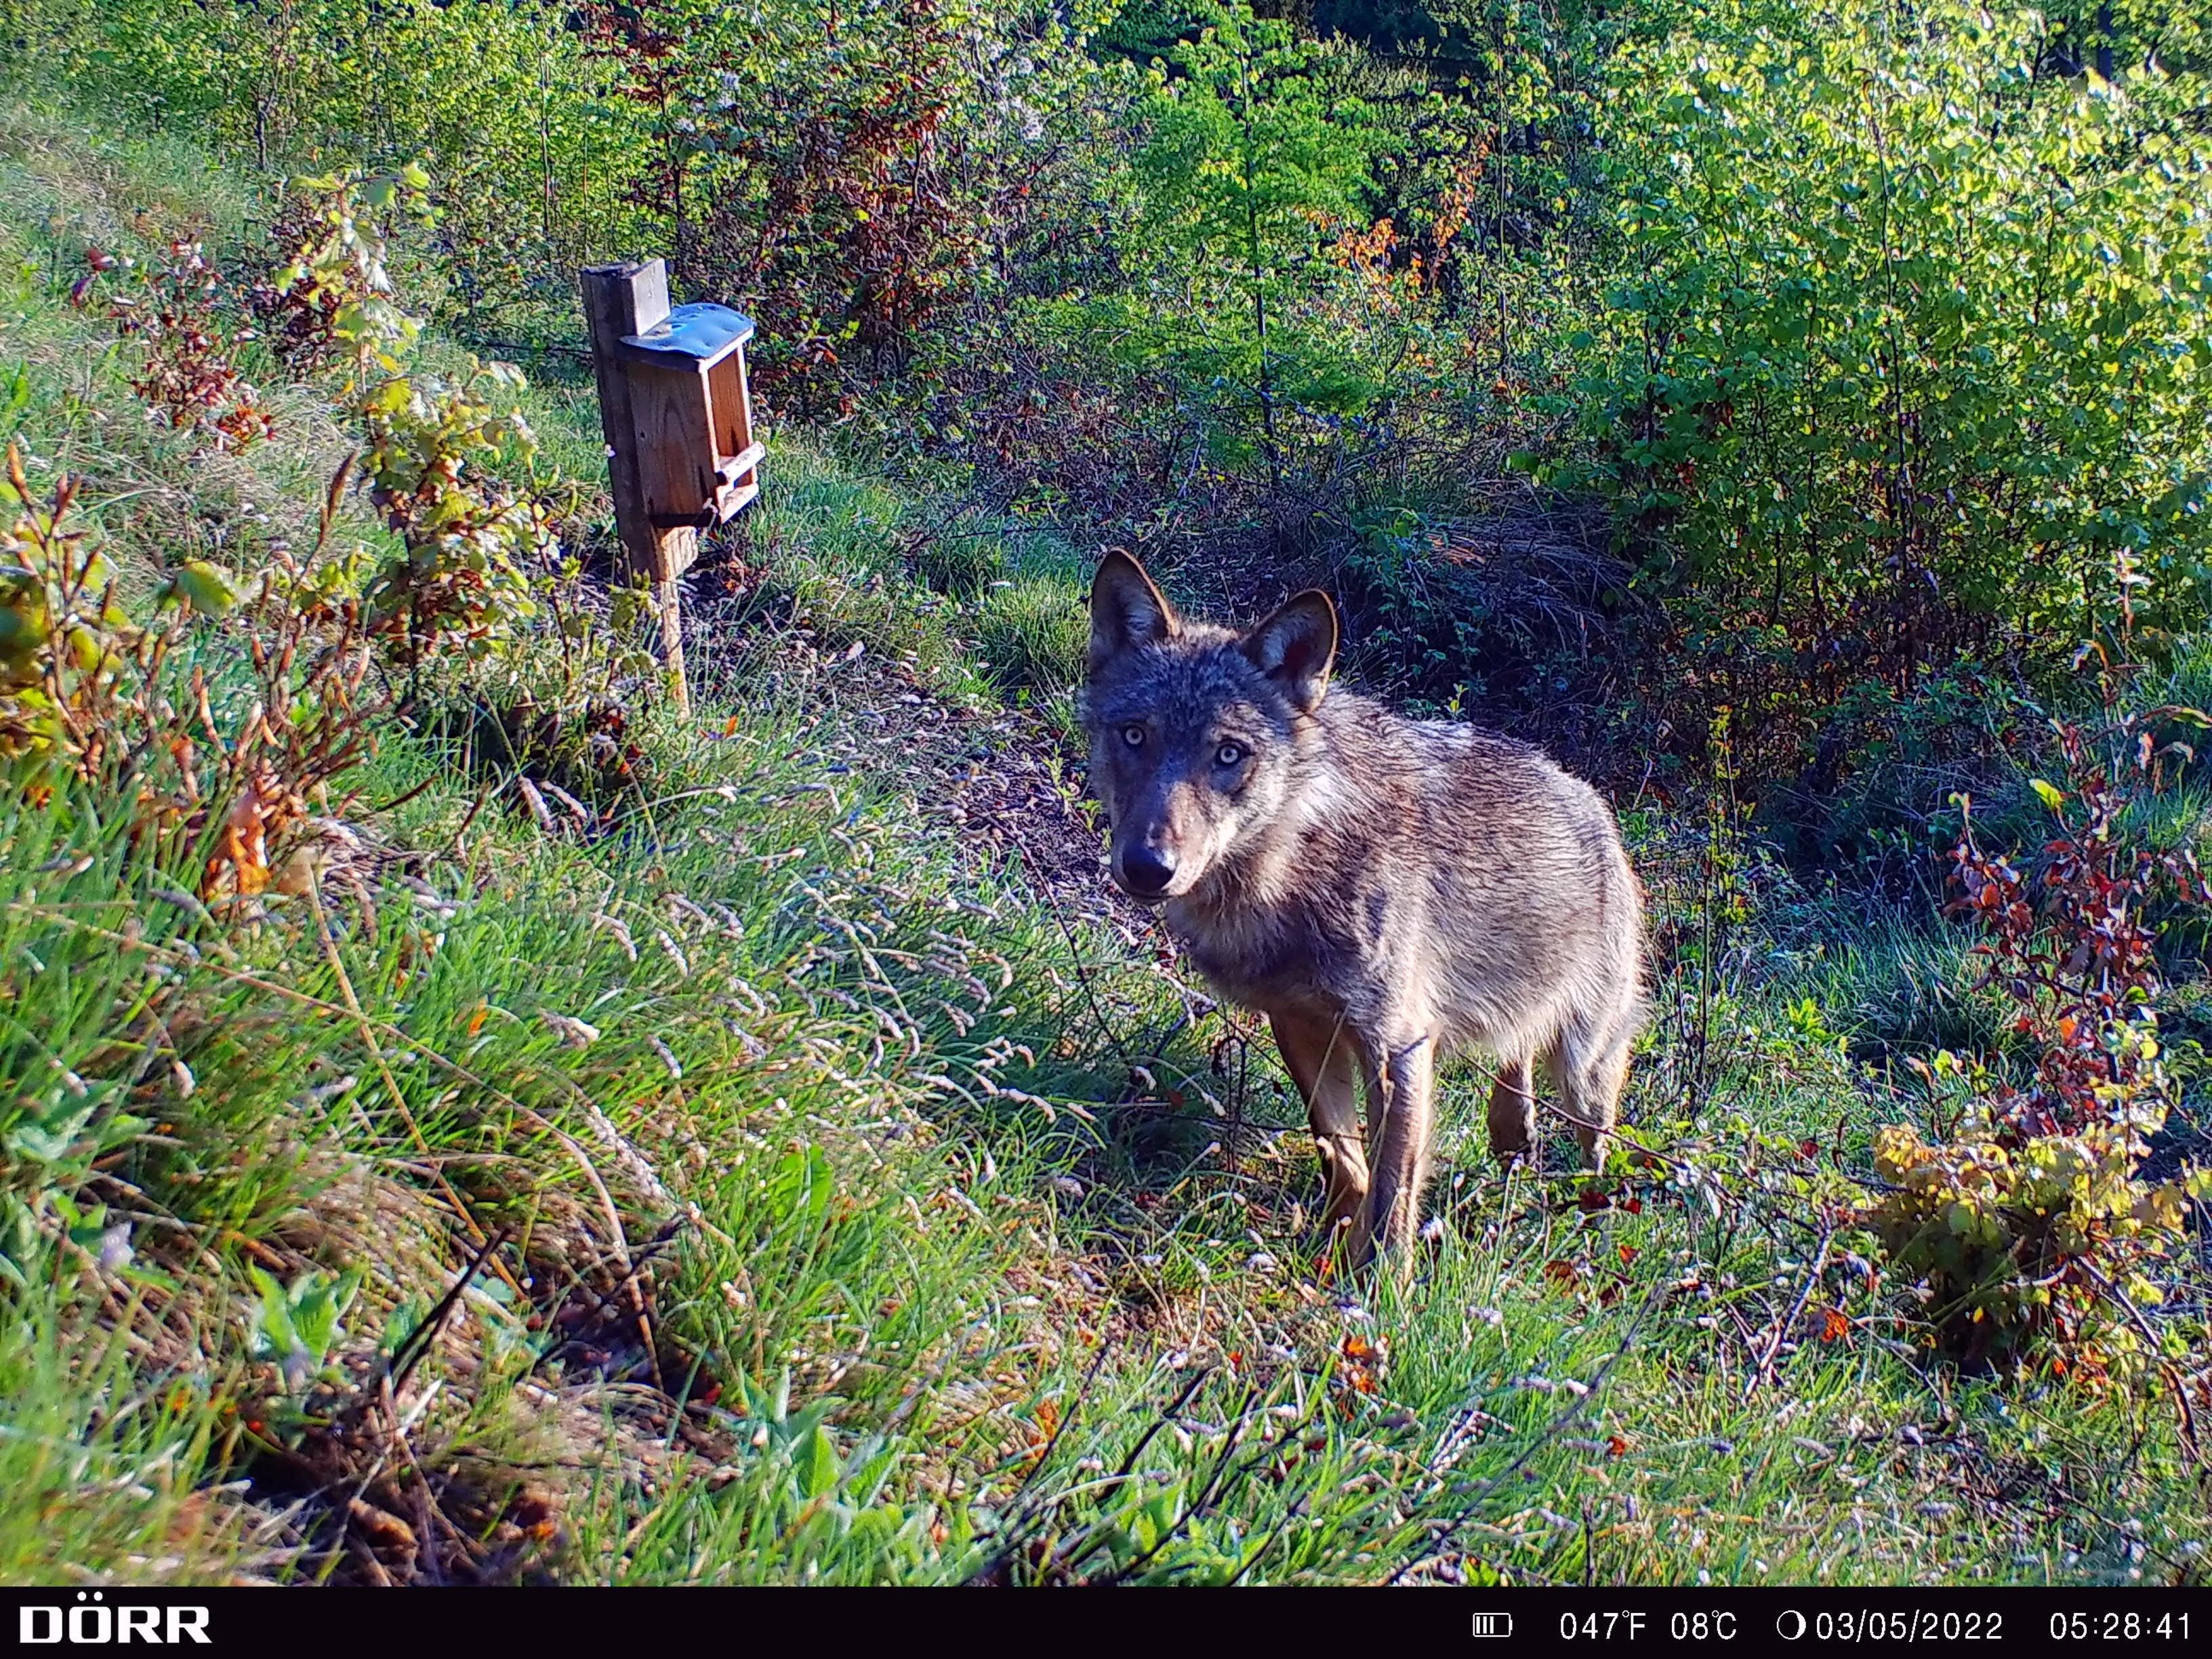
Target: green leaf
201, 587
50, 1139
818, 1467
272, 1333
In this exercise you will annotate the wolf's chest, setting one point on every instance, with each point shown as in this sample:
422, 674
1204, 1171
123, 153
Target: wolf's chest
1259, 959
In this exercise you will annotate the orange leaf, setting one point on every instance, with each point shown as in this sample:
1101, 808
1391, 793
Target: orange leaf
1047, 1421
244, 847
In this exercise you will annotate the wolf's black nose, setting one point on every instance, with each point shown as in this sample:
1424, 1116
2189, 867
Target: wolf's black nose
1146, 870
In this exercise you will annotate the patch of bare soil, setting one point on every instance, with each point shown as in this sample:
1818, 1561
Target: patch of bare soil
1001, 781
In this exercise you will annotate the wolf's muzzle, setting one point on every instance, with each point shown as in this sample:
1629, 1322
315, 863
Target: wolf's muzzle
1146, 871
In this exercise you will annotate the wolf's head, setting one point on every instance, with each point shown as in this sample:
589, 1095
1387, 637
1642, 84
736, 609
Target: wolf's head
1195, 729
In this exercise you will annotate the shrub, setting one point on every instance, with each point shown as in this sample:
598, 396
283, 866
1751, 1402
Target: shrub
330, 292
2074, 949
857, 178
2029, 1227
438, 447
440, 450
188, 377
1908, 344
66, 646
92, 698
220, 779
500, 102
2035, 1247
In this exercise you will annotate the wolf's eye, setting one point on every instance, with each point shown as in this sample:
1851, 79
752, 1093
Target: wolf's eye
1133, 736
1229, 754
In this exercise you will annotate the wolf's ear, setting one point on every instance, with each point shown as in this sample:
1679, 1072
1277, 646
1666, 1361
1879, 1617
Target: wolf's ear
1126, 610
1296, 646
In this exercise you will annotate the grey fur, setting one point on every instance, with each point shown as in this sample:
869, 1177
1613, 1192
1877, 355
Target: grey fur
1387, 891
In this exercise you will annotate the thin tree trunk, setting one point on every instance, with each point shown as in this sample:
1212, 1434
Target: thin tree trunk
1260, 303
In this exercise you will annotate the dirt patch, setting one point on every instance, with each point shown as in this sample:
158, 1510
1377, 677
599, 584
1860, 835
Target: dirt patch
1004, 785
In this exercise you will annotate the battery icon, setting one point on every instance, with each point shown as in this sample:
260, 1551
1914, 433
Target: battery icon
1493, 1624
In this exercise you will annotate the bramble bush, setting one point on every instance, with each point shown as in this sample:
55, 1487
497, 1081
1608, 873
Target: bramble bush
188, 376
2028, 1226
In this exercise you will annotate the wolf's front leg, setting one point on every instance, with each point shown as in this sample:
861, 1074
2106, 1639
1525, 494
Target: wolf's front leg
1404, 1085
1321, 1055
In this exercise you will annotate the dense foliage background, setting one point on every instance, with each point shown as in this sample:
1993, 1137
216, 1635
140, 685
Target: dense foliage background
1883, 327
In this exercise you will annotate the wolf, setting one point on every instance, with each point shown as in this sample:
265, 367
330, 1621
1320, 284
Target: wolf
1387, 891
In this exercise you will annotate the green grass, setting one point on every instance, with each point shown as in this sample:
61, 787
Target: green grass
964, 1243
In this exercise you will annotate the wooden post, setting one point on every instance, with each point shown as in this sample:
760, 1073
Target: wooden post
621, 300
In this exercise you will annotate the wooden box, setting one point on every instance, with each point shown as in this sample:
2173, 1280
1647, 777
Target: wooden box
691, 416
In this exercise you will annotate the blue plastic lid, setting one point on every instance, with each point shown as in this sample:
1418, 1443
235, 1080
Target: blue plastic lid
702, 330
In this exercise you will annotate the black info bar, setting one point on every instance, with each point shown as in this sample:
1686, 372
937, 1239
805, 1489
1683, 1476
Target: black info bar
1712, 1621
